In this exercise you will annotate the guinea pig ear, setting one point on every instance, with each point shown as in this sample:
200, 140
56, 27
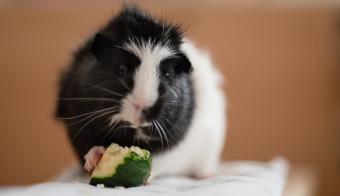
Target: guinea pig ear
100, 44
185, 64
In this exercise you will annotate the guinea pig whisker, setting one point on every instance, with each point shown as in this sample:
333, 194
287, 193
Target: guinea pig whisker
107, 126
115, 130
157, 130
162, 130
169, 131
88, 113
109, 91
171, 124
101, 88
111, 130
122, 127
177, 130
88, 122
171, 137
89, 116
124, 84
89, 99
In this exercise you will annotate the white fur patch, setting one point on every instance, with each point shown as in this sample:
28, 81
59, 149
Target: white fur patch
199, 152
145, 91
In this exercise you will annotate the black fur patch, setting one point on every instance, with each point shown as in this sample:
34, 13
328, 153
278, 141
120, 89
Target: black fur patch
139, 26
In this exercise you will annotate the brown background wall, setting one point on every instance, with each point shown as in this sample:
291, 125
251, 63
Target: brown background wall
280, 63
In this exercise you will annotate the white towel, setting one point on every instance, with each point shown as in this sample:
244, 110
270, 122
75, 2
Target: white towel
237, 178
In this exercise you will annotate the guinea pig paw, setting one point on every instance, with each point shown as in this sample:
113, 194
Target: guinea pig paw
92, 157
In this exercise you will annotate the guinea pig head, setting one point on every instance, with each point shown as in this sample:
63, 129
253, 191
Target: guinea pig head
144, 57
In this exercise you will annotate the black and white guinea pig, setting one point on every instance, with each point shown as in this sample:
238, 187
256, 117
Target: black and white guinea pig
138, 82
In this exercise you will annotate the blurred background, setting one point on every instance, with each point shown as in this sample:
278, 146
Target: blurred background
281, 61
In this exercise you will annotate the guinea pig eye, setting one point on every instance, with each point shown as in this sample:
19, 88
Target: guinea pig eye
169, 73
123, 70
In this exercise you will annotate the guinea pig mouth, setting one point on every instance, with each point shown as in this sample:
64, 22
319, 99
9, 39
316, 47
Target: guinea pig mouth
127, 124
141, 133
143, 125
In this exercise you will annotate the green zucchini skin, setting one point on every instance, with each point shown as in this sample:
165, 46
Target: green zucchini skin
133, 172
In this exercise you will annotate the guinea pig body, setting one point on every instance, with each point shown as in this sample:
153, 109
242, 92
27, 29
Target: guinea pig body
138, 82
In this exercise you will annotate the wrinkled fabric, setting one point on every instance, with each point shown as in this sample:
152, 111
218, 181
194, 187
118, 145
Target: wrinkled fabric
236, 178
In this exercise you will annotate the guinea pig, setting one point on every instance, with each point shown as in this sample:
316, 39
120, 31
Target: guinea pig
139, 82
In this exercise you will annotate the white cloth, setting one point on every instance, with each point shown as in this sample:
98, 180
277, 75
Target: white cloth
237, 178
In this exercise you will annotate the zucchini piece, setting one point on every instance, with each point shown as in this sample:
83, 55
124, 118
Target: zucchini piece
122, 166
